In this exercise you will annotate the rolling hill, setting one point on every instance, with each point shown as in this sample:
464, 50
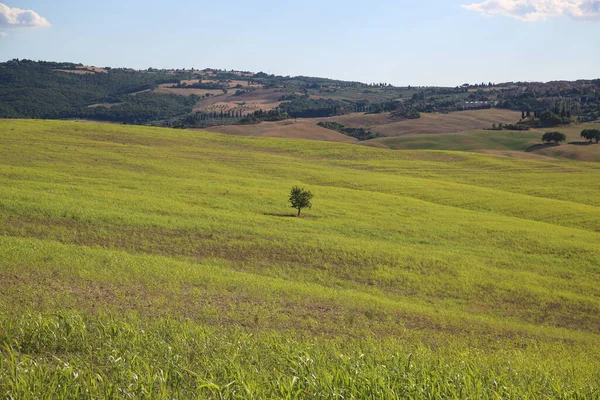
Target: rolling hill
385, 123
459, 131
152, 262
510, 143
205, 98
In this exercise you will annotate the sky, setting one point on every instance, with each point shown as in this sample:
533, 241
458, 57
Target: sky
402, 42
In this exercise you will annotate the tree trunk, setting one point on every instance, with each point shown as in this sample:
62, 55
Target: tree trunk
299, 211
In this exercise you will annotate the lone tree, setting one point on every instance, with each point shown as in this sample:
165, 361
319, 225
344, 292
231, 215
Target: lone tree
555, 137
591, 134
300, 198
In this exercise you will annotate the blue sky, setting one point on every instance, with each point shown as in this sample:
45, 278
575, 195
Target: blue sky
404, 42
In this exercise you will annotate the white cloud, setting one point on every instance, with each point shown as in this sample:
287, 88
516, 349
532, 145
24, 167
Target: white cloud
536, 10
15, 18
3, 34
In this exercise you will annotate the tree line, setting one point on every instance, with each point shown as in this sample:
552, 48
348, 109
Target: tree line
143, 108
557, 137
358, 133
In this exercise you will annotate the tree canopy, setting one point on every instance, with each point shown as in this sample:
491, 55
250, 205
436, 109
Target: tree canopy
300, 198
555, 137
591, 134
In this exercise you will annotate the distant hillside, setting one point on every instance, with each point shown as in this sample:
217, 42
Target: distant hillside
508, 143
58, 90
205, 98
384, 123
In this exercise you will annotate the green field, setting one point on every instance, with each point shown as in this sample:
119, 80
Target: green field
502, 142
156, 263
465, 141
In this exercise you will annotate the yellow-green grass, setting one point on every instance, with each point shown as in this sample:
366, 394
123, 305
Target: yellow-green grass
465, 141
166, 263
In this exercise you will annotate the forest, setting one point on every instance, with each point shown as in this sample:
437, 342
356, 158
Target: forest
31, 89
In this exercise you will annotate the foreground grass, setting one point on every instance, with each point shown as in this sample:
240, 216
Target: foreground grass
484, 268
66, 356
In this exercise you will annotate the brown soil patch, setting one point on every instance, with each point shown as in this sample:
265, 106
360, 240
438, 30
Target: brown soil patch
96, 69
243, 83
165, 88
83, 70
76, 71
429, 123
265, 99
107, 105
300, 129
382, 123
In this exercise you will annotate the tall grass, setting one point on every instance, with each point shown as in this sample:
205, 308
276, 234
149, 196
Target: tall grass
70, 356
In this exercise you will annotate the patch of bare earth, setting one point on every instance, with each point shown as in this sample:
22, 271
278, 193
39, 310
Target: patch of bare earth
166, 88
260, 99
296, 129
107, 105
83, 70
429, 122
244, 83
383, 123
76, 71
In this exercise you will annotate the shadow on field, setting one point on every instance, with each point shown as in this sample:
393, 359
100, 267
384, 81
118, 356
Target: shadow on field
540, 147
282, 215
292, 215
582, 143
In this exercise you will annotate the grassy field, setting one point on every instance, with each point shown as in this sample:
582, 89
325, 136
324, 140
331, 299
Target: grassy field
466, 141
510, 143
147, 262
